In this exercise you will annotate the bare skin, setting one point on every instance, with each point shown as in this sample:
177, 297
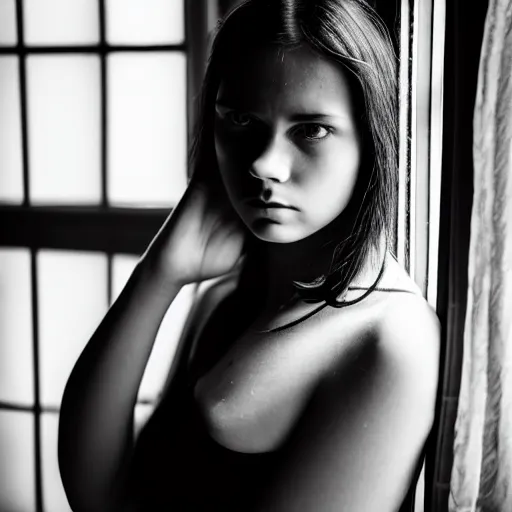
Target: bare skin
257, 390
201, 239
366, 375
359, 403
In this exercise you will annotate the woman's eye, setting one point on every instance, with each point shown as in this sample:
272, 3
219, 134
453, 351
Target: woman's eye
239, 119
312, 131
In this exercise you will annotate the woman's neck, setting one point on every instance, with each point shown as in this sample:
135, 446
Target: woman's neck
280, 265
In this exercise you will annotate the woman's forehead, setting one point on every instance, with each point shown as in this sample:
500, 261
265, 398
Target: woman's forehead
297, 78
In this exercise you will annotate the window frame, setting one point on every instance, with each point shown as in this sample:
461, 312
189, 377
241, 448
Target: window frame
96, 227
104, 228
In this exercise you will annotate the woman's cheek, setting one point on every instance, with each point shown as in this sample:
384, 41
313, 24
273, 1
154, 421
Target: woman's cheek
228, 148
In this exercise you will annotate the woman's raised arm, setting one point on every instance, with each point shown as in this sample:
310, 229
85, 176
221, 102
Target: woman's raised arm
201, 239
95, 427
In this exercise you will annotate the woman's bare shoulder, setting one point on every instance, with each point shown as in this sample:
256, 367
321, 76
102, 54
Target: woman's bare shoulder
408, 340
370, 416
408, 326
408, 318
403, 360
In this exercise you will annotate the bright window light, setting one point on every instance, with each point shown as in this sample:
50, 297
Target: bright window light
61, 22
168, 334
72, 290
11, 164
8, 34
165, 344
141, 415
64, 129
145, 21
147, 129
17, 479
16, 356
54, 497
122, 267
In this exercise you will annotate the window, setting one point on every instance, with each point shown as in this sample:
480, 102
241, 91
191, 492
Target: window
421, 115
94, 130
86, 89
421, 104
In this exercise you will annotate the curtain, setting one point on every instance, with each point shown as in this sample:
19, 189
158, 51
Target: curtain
481, 478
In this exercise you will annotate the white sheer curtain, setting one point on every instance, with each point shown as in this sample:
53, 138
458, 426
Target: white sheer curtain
482, 468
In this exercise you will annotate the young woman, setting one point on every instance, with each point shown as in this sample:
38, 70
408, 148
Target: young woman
306, 377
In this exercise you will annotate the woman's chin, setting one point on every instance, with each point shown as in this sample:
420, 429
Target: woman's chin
268, 230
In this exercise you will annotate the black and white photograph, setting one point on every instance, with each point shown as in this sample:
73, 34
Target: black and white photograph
255, 256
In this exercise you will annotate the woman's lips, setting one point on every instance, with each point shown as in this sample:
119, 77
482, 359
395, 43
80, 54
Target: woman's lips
258, 203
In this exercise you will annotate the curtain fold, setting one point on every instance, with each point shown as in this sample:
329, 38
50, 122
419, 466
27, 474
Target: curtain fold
481, 478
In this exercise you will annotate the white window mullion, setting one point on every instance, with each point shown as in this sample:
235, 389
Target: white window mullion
421, 118
436, 141
421, 89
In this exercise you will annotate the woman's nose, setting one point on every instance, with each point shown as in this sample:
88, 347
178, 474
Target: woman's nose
273, 163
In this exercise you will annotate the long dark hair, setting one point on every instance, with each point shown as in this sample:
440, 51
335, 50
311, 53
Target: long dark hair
350, 33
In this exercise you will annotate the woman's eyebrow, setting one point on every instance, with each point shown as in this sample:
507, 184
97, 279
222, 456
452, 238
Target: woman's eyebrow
224, 104
295, 117
313, 116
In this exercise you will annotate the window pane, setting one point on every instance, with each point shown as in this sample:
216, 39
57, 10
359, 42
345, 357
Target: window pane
64, 129
419, 498
58, 22
147, 129
165, 345
16, 357
168, 334
17, 480
8, 33
141, 416
72, 290
122, 267
53, 491
145, 21
11, 175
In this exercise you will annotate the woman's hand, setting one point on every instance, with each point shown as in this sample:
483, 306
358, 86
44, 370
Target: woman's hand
201, 239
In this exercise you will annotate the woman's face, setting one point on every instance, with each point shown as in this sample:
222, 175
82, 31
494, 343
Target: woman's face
287, 143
